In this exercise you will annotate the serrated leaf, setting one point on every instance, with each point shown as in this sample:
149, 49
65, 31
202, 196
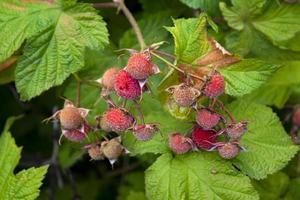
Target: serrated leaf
24, 185
269, 148
279, 22
280, 86
190, 38
56, 44
208, 6
247, 75
196, 176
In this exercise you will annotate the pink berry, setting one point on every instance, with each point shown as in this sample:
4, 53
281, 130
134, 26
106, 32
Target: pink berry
215, 86
228, 150
139, 66
207, 119
112, 149
108, 78
144, 132
126, 86
235, 131
184, 95
179, 144
77, 135
95, 153
116, 120
70, 118
296, 116
204, 139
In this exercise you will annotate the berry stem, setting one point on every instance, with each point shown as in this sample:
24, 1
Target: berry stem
139, 109
105, 5
132, 21
78, 93
177, 68
226, 111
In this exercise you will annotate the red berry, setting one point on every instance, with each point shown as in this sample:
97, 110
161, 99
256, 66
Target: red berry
70, 118
116, 120
179, 144
108, 78
215, 86
207, 119
204, 139
184, 95
144, 132
228, 150
296, 116
235, 131
126, 86
139, 66
77, 135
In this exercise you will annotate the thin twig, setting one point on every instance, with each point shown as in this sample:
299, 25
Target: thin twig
105, 5
177, 68
78, 93
165, 54
139, 109
133, 23
226, 111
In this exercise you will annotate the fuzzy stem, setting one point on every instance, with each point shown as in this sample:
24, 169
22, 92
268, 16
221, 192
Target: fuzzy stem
105, 5
139, 109
177, 68
226, 111
78, 93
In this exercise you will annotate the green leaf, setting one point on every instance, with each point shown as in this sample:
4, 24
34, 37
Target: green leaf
55, 44
279, 22
246, 76
293, 192
29, 18
136, 195
190, 38
273, 187
196, 176
269, 148
209, 6
241, 12
279, 88
25, 184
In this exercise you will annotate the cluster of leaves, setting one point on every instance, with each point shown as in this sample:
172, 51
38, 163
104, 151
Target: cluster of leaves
55, 39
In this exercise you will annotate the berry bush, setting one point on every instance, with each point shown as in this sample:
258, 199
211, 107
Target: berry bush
158, 100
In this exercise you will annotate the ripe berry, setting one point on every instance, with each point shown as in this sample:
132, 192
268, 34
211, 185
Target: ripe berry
108, 78
139, 66
296, 116
144, 132
180, 144
235, 131
116, 120
228, 150
70, 118
204, 139
76, 135
94, 152
126, 86
112, 149
215, 86
207, 119
184, 95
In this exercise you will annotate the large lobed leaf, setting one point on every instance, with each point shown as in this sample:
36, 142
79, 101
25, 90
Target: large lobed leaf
269, 148
196, 176
246, 76
25, 184
208, 6
57, 36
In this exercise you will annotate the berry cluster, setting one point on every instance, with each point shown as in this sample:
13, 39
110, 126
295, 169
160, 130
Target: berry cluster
209, 124
128, 84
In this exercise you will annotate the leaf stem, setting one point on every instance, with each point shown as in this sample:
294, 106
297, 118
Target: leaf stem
133, 23
177, 68
105, 5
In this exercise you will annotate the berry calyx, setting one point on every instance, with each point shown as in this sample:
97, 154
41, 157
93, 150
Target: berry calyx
108, 78
215, 86
126, 86
296, 116
204, 139
235, 131
116, 120
228, 150
144, 132
180, 144
94, 152
70, 118
140, 67
184, 95
207, 119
